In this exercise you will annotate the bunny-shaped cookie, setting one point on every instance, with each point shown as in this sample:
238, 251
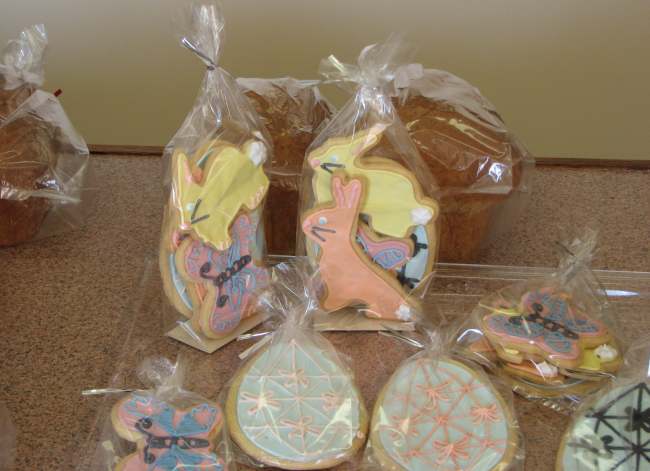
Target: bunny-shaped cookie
349, 275
394, 199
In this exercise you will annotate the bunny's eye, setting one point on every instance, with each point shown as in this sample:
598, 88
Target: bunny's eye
322, 220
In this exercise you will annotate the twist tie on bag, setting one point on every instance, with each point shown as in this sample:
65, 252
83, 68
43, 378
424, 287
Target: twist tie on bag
201, 26
156, 373
375, 70
23, 58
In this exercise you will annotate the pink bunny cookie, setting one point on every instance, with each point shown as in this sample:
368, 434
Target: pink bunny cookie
167, 438
349, 275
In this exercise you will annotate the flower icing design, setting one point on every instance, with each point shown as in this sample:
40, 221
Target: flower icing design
435, 394
300, 428
438, 414
296, 377
483, 414
452, 450
260, 401
308, 406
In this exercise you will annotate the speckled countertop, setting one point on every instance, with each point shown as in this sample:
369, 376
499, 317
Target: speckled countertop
66, 300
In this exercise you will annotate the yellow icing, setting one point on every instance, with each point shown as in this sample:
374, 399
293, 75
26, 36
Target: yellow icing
590, 361
511, 351
232, 180
390, 195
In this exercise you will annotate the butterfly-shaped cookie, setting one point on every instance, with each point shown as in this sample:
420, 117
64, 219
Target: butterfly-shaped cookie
545, 325
167, 438
223, 281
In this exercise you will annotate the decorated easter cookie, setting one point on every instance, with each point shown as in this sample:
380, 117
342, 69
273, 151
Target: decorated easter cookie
613, 434
175, 288
210, 191
295, 407
439, 414
394, 203
221, 284
546, 326
539, 379
349, 275
167, 438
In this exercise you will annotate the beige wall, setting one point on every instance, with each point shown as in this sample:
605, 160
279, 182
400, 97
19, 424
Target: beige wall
571, 77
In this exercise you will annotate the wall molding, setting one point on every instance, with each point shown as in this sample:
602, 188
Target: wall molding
542, 161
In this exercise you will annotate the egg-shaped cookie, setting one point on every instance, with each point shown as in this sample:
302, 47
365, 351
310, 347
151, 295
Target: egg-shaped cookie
438, 413
295, 406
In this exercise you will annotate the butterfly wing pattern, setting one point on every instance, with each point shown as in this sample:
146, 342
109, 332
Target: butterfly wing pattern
231, 277
547, 323
168, 438
388, 254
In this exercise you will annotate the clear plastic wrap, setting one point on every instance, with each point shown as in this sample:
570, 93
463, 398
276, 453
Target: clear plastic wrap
43, 160
611, 430
292, 111
164, 427
480, 166
368, 204
439, 411
295, 404
212, 245
553, 339
7, 439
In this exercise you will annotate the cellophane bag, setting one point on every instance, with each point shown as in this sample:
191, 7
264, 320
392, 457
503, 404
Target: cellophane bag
162, 426
441, 411
611, 429
369, 205
481, 168
43, 160
292, 111
294, 403
553, 339
212, 245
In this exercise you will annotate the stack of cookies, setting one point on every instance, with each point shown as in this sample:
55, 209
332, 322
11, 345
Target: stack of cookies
212, 245
369, 227
545, 342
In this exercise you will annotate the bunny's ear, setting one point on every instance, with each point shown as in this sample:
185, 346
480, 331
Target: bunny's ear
352, 192
364, 140
338, 192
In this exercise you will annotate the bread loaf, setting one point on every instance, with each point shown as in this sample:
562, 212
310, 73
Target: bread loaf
291, 110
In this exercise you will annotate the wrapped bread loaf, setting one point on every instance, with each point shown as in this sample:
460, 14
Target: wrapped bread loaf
478, 164
42, 159
27, 157
291, 110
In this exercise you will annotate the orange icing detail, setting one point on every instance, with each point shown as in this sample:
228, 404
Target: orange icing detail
344, 268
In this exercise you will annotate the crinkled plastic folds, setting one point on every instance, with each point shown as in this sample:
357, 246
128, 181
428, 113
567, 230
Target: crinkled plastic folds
212, 243
43, 160
482, 169
294, 403
364, 162
440, 411
161, 426
553, 339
